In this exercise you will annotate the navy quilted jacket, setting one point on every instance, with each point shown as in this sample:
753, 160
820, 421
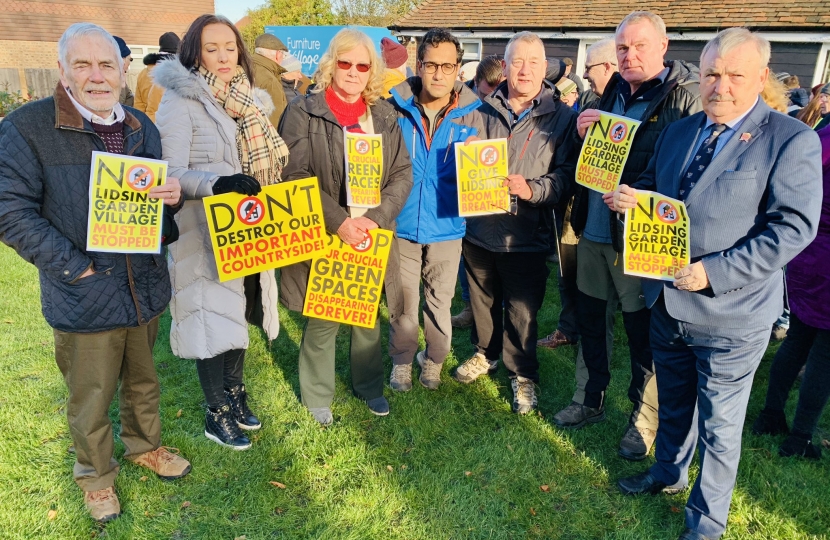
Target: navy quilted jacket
45, 157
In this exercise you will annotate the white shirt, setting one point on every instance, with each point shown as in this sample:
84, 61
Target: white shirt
117, 114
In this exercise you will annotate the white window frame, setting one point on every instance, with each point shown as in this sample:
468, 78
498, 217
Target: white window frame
822, 71
469, 56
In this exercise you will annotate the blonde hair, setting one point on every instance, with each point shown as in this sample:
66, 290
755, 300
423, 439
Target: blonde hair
811, 113
344, 41
774, 94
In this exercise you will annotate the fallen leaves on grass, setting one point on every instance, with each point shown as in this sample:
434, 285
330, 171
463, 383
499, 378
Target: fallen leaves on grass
532, 511
243, 536
545, 488
675, 509
390, 468
179, 413
277, 484
142, 479
51, 515
468, 473
185, 504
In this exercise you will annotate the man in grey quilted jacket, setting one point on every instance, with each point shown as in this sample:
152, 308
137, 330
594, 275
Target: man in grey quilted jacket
104, 307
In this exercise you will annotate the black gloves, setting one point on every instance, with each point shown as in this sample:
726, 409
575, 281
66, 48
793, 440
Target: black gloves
239, 183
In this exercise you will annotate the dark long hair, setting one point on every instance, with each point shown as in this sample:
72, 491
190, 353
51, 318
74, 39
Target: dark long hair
190, 48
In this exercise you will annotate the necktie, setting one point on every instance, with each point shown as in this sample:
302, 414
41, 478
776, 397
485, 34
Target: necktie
701, 160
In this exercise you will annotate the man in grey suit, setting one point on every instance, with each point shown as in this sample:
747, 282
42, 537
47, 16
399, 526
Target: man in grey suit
751, 181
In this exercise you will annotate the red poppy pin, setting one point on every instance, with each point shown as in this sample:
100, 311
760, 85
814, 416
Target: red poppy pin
745, 137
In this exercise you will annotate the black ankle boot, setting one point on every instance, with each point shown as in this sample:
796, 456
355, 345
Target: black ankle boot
238, 401
221, 427
770, 422
797, 445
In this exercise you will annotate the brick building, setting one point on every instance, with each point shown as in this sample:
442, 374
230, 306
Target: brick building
799, 30
30, 29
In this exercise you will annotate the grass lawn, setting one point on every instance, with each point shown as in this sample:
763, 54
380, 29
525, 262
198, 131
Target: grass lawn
454, 463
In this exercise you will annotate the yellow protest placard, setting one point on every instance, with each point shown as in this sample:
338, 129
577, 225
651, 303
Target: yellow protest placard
605, 151
481, 168
282, 225
122, 216
345, 284
364, 169
656, 237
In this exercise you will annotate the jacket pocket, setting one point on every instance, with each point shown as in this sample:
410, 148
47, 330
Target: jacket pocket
731, 176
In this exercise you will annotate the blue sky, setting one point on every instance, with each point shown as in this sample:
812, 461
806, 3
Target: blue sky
235, 9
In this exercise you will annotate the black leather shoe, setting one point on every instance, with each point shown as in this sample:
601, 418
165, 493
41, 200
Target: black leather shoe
238, 401
770, 423
221, 427
644, 483
689, 534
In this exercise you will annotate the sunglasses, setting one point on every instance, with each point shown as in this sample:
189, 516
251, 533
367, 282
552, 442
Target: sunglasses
345, 65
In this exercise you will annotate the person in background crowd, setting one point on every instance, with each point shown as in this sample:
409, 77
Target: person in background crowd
807, 344
568, 92
269, 52
126, 97
347, 95
656, 93
600, 66
294, 83
395, 57
569, 73
797, 97
489, 74
216, 137
435, 112
505, 253
467, 73
710, 327
817, 113
104, 307
147, 94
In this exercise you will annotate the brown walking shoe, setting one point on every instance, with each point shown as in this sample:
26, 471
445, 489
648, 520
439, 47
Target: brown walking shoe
636, 443
554, 340
165, 462
464, 319
103, 504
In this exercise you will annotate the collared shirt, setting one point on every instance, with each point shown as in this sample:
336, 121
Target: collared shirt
117, 114
731, 128
514, 118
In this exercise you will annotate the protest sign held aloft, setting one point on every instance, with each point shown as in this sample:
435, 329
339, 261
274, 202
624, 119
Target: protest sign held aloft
345, 284
656, 237
605, 152
282, 225
364, 168
122, 216
481, 168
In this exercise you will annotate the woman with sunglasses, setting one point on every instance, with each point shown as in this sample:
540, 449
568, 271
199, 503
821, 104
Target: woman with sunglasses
216, 137
349, 83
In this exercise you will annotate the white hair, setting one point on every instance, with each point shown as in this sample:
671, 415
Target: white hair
525, 37
637, 16
82, 30
731, 38
604, 50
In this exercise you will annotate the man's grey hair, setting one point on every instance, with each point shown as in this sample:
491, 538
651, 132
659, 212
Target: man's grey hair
638, 16
731, 38
82, 30
604, 50
526, 37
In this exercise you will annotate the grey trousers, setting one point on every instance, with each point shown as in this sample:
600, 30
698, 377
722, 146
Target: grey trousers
437, 266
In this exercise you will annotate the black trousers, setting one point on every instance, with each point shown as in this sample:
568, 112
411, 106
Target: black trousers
506, 293
220, 372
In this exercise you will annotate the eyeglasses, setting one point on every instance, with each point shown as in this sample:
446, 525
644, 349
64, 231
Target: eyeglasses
432, 67
592, 66
345, 65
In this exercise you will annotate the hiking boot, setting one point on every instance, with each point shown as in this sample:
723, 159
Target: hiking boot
524, 395
636, 442
796, 445
473, 368
576, 415
401, 378
464, 319
322, 415
554, 340
238, 402
770, 422
103, 504
165, 462
378, 406
778, 332
430, 377
221, 427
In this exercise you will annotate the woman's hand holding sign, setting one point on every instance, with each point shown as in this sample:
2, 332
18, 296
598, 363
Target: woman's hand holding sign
620, 199
170, 192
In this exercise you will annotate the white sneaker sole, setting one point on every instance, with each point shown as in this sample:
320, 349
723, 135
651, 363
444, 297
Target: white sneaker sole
216, 439
248, 428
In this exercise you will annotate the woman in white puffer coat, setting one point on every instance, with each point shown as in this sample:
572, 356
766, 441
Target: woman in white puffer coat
217, 139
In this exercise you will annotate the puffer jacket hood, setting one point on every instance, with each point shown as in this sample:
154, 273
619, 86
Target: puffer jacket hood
431, 211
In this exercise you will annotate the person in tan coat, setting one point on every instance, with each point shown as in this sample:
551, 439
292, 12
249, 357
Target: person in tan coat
269, 53
148, 95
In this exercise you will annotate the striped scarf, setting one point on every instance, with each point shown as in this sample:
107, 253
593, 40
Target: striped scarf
262, 152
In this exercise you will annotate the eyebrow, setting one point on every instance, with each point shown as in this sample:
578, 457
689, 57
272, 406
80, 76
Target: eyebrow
217, 44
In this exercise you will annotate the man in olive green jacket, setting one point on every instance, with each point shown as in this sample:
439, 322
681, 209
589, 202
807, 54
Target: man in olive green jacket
268, 53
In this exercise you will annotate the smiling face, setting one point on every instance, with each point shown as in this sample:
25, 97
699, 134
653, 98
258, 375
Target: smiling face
524, 67
92, 74
640, 52
350, 83
730, 84
219, 53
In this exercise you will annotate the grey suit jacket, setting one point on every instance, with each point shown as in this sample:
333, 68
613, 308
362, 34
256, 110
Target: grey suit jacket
756, 207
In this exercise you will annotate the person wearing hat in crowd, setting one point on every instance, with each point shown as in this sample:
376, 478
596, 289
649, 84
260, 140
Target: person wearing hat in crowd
126, 98
294, 83
569, 67
395, 56
148, 95
568, 92
269, 52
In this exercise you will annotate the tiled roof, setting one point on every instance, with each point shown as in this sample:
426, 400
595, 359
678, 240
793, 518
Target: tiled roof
606, 14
